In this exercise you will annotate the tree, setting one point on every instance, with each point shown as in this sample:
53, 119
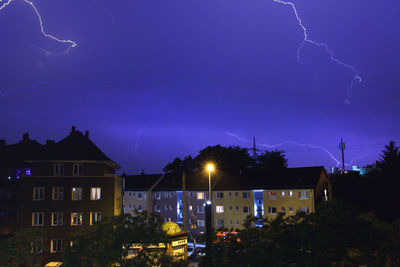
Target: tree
18, 249
271, 161
109, 242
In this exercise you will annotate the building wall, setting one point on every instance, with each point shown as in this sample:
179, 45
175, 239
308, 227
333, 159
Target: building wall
132, 201
233, 204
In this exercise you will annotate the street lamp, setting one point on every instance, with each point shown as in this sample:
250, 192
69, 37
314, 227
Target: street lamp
209, 223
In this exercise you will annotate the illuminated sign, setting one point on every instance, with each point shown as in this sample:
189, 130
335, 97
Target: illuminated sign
179, 242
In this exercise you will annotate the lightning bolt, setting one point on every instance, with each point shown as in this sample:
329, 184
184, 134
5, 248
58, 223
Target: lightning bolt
289, 142
71, 43
306, 39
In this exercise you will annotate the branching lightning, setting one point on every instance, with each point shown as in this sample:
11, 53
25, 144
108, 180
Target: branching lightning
306, 39
71, 43
289, 142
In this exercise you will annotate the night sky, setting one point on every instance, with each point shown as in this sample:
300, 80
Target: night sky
156, 79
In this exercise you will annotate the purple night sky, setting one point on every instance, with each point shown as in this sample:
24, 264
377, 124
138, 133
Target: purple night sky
156, 79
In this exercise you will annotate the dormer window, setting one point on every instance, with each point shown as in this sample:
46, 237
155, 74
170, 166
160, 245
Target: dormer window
59, 169
78, 169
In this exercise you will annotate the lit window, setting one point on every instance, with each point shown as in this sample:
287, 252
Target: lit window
219, 209
77, 169
37, 218
220, 223
304, 209
303, 194
55, 245
76, 218
76, 193
58, 193
282, 193
271, 195
290, 209
326, 195
272, 210
59, 169
220, 195
95, 217
139, 195
246, 210
200, 223
38, 193
200, 209
192, 226
200, 195
37, 246
56, 219
95, 193
246, 195
290, 193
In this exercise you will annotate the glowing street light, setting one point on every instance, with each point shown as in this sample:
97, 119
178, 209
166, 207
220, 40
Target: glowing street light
210, 168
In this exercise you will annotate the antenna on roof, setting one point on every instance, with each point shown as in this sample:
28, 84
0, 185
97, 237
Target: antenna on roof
342, 146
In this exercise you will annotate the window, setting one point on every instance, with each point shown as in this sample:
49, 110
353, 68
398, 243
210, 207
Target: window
37, 218
166, 194
290, 193
283, 210
219, 209
200, 209
139, 208
200, 195
55, 245
220, 223
38, 193
76, 193
236, 194
220, 195
237, 208
200, 223
59, 169
230, 208
246, 210
290, 209
230, 194
139, 195
282, 193
157, 208
271, 195
272, 210
76, 218
95, 193
171, 194
56, 219
190, 194
326, 195
37, 246
190, 208
230, 222
58, 193
304, 209
95, 217
303, 194
77, 169
157, 195
237, 222
166, 207
170, 207
246, 195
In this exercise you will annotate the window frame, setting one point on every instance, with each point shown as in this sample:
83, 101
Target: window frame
270, 210
219, 209
55, 192
57, 213
219, 195
248, 210
81, 218
79, 167
34, 214
77, 191
246, 195
58, 243
97, 217
59, 169
34, 193
97, 195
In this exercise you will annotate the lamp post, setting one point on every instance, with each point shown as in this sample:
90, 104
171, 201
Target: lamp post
209, 223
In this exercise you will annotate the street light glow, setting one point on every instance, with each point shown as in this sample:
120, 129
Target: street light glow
210, 167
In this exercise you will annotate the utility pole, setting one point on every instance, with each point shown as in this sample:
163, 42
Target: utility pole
342, 146
184, 199
254, 148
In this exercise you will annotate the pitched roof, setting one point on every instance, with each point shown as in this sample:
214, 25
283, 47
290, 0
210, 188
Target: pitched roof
76, 146
305, 177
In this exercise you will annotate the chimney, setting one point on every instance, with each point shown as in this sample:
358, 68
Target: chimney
2, 142
87, 134
50, 142
73, 129
25, 137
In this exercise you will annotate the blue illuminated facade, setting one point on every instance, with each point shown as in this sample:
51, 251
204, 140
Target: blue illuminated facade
179, 207
258, 207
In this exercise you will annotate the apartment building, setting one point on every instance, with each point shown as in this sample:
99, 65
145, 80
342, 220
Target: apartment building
64, 187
